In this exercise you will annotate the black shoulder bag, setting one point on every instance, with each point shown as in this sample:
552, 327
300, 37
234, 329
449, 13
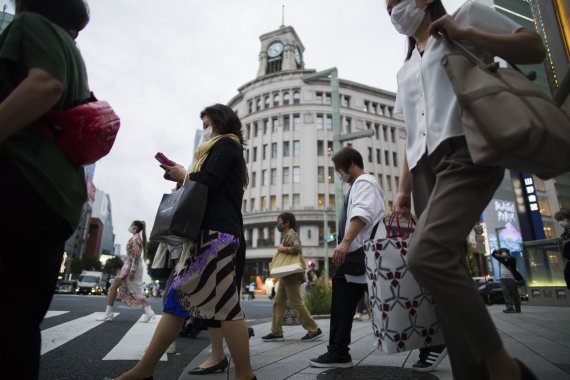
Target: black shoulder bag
354, 262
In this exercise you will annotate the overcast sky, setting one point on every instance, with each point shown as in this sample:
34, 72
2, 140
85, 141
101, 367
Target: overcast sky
159, 63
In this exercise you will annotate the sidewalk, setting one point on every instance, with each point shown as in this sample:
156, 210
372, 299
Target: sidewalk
539, 336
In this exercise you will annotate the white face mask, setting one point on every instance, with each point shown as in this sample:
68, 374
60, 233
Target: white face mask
207, 134
344, 177
132, 230
563, 223
407, 17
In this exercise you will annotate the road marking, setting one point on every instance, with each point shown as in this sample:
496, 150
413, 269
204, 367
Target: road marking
135, 341
56, 336
51, 313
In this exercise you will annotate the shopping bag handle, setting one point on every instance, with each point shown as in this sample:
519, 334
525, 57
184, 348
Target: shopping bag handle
398, 233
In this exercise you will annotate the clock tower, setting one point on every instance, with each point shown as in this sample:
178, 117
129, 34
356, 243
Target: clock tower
281, 50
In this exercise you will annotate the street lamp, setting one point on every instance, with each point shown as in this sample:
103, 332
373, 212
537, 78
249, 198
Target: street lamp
332, 74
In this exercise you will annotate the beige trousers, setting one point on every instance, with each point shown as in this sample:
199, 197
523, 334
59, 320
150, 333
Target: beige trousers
450, 192
289, 289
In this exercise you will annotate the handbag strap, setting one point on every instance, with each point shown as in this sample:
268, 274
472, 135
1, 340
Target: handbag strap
492, 67
399, 233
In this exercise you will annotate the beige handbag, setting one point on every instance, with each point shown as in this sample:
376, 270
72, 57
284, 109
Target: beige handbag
508, 121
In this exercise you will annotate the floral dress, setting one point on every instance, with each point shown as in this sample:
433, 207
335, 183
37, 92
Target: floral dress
131, 290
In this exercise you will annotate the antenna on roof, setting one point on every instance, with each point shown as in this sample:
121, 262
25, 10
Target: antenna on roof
282, 15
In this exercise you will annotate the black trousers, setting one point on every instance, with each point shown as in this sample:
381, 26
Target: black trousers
345, 297
32, 237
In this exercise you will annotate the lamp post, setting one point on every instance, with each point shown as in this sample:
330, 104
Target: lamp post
332, 74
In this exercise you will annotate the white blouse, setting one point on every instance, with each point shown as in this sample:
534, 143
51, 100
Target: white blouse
425, 95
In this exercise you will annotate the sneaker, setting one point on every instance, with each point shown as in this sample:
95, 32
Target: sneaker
172, 348
310, 337
357, 317
332, 360
272, 338
432, 361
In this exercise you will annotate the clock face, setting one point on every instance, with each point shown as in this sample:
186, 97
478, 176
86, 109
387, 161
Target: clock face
298, 56
275, 49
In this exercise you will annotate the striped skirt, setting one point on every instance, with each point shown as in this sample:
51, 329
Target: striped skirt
204, 287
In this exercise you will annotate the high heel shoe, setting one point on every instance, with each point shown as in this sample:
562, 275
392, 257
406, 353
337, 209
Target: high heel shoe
526, 374
221, 366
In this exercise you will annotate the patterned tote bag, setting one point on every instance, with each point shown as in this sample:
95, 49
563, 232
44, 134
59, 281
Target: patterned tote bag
403, 312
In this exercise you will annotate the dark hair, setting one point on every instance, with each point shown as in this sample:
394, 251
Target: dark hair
346, 157
142, 228
563, 213
288, 218
436, 10
501, 250
68, 14
226, 121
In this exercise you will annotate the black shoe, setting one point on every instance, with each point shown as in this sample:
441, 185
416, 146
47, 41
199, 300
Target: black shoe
272, 338
332, 360
526, 374
250, 332
431, 362
509, 310
221, 366
310, 337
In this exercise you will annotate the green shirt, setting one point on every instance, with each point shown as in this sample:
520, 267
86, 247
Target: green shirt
32, 41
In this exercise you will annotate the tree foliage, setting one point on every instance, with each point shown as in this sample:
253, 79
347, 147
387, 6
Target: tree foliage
113, 265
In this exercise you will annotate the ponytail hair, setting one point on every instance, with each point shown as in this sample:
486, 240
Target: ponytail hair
140, 224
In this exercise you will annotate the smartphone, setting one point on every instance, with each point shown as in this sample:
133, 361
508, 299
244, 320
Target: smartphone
163, 159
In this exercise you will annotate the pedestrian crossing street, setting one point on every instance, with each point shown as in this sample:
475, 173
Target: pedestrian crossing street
131, 347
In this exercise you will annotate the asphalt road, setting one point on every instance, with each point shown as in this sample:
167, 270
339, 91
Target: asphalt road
80, 356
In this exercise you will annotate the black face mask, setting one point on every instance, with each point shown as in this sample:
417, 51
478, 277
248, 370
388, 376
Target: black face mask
279, 227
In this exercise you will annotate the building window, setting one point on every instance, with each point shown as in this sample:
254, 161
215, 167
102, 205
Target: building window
390, 112
387, 158
286, 98
264, 153
273, 150
272, 203
286, 122
393, 134
378, 156
538, 183
251, 204
389, 182
276, 99
345, 101
258, 104
320, 148
548, 228
296, 97
296, 174
319, 98
397, 182
331, 200
377, 131
375, 108
267, 101
264, 177
274, 124
319, 123
394, 159
296, 200
263, 203
246, 156
296, 148
253, 179
274, 176
250, 106
328, 122
296, 122
244, 205
247, 131
321, 200
366, 106
390, 206
321, 174
328, 98
348, 124
285, 176
285, 148
329, 148
254, 153
285, 202
544, 206
331, 174
385, 133
369, 154
381, 181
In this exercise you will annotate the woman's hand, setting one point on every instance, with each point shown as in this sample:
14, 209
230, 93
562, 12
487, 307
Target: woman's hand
175, 173
446, 24
282, 249
403, 204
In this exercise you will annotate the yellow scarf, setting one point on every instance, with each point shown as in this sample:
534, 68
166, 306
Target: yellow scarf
205, 147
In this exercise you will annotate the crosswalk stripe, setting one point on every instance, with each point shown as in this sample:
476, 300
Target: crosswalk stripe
56, 336
51, 313
135, 341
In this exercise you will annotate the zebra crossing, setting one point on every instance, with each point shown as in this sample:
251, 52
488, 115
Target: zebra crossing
131, 347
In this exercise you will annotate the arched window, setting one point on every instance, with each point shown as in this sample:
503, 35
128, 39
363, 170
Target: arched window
286, 98
296, 97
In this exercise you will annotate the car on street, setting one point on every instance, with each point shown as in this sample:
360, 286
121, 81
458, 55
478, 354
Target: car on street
490, 290
65, 287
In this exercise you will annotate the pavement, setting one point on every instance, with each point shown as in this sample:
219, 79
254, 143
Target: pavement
539, 337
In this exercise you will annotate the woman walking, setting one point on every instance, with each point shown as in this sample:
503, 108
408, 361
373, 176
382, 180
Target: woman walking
204, 286
128, 284
290, 286
449, 191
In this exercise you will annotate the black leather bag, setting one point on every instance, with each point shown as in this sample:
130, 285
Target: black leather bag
179, 216
354, 262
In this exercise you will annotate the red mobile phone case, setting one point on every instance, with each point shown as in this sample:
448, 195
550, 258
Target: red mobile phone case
163, 159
